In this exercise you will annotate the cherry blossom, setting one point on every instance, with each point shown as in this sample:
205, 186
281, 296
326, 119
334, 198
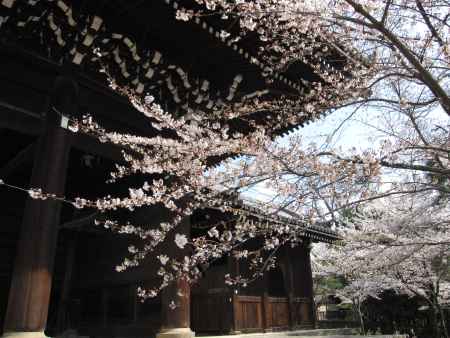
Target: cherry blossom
181, 240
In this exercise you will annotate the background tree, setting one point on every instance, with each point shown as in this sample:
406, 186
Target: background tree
398, 244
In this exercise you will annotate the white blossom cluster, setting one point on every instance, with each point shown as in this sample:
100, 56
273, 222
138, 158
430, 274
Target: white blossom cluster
400, 244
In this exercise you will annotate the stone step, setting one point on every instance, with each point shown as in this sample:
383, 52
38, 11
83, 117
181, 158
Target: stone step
319, 333
355, 336
70, 334
335, 333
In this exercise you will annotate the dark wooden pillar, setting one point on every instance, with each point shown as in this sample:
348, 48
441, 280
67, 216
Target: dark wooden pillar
267, 312
309, 287
304, 286
229, 326
287, 268
63, 305
29, 294
178, 293
176, 298
235, 313
104, 306
301, 297
134, 303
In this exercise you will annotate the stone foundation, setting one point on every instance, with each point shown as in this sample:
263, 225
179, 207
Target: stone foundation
176, 333
24, 335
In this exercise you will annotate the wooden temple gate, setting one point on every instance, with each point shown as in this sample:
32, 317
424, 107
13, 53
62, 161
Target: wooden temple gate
281, 300
215, 313
63, 272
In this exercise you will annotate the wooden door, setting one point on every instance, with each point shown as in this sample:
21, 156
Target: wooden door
248, 313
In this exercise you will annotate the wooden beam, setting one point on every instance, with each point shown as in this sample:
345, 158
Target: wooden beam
93, 146
24, 121
25, 156
18, 119
79, 222
22, 71
14, 108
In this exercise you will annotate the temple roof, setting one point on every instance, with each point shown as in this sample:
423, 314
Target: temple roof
188, 66
265, 214
315, 232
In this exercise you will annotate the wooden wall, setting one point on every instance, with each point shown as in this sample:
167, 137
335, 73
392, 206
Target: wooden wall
211, 312
277, 313
248, 313
280, 300
103, 302
263, 313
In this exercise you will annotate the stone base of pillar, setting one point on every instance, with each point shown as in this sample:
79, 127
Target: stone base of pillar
24, 335
176, 333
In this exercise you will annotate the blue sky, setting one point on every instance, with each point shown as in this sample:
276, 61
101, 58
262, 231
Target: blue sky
357, 131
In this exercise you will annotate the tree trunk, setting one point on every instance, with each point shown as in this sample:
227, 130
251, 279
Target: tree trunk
435, 322
443, 324
360, 315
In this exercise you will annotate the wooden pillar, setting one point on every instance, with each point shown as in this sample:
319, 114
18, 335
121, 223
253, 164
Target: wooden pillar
287, 269
104, 306
304, 285
230, 326
236, 309
301, 295
177, 316
62, 319
309, 289
267, 312
134, 303
237, 315
29, 295
176, 298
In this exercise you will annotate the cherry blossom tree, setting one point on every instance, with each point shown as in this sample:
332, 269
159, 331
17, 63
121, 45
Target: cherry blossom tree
397, 244
399, 47
391, 55
404, 43
178, 163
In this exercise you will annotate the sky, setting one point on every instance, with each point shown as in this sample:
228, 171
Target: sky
342, 129
346, 129
351, 133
